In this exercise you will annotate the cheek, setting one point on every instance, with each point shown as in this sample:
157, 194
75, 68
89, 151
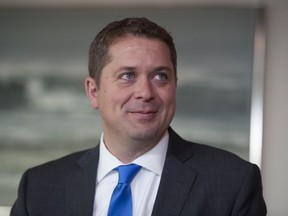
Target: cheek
168, 97
114, 99
102, 99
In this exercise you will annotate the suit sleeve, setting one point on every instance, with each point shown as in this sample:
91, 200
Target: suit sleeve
19, 207
250, 201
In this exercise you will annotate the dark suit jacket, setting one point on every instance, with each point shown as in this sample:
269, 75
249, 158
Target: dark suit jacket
197, 180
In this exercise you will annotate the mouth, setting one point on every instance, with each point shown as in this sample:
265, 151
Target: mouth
143, 112
144, 115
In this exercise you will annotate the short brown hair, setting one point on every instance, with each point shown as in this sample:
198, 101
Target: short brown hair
139, 27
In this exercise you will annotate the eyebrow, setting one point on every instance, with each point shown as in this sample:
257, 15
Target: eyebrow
161, 68
127, 68
158, 68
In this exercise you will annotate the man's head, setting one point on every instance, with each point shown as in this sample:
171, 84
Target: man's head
134, 62
136, 27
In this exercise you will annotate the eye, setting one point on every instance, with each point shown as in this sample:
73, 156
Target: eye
161, 76
127, 76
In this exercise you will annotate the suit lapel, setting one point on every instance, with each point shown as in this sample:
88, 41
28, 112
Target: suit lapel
175, 186
177, 179
80, 185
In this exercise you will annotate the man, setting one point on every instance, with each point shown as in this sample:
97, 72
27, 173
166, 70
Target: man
132, 82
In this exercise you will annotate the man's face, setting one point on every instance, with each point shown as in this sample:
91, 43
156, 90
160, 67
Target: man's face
136, 96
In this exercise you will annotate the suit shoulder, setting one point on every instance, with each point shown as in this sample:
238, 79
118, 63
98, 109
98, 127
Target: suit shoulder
64, 164
216, 160
206, 157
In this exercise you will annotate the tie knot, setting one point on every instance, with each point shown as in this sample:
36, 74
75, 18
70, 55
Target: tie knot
127, 172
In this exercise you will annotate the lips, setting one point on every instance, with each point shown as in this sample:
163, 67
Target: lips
143, 114
142, 108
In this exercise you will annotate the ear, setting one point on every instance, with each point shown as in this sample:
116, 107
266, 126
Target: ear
92, 92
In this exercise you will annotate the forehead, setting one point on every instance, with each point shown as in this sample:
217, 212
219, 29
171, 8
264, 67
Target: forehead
139, 53
124, 44
130, 36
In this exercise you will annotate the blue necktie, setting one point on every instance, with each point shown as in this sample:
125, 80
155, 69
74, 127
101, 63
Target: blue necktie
121, 199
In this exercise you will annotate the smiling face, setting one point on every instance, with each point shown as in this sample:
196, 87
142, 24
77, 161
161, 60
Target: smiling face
136, 96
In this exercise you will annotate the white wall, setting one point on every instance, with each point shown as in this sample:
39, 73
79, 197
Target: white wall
275, 146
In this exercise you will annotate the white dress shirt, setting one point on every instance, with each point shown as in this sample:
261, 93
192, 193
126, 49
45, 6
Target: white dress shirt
144, 186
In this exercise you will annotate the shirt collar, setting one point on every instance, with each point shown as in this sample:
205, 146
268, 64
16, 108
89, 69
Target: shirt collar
152, 160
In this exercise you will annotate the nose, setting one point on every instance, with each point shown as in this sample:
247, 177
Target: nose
144, 90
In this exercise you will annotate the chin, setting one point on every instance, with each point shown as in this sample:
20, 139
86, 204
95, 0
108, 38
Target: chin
146, 134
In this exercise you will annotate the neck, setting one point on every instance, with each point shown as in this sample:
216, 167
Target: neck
128, 150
